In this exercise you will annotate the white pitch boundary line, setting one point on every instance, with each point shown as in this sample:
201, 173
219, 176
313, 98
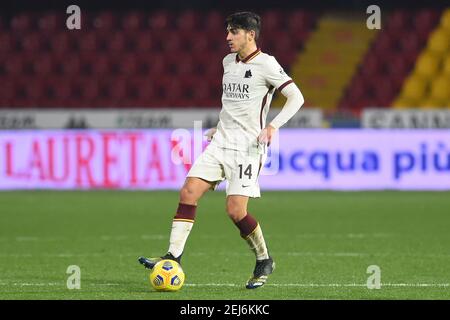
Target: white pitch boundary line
317, 285
24, 238
51, 284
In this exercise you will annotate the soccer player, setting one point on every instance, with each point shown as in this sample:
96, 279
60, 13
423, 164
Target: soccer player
238, 145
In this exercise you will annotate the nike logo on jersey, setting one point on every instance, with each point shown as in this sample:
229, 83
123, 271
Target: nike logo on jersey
245, 186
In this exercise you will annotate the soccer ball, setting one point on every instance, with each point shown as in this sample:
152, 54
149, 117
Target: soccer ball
167, 275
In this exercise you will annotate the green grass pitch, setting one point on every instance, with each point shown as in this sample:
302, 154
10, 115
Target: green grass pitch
322, 242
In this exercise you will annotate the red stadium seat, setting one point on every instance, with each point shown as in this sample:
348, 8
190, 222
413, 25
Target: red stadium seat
14, 65
399, 19
272, 21
143, 42
116, 42
397, 64
89, 42
426, 19
188, 21
160, 20
298, 20
7, 42
144, 88
61, 43
105, 22
51, 22
127, 64
69, 66
410, 42
32, 42
215, 22
133, 22
172, 42
154, 64
43, 66
88, 89
22, 23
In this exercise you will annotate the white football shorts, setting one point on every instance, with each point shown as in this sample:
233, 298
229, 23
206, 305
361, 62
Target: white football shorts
240, 169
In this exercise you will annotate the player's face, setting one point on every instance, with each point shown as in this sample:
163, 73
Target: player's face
238, 39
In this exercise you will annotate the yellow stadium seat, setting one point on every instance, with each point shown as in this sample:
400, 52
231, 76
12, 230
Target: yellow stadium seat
414, 88
427, 65
445, 20
403, 103
446, 65
431, 103
440, 89
439, 41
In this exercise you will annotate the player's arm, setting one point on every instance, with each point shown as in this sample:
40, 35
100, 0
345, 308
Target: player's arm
210, 133
294, 100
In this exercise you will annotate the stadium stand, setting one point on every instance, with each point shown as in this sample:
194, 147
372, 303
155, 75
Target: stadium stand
163, 58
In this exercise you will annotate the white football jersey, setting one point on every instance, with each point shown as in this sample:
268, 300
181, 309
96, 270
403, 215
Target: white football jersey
248, 87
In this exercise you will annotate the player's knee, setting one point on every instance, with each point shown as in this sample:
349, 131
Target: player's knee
188, 195
235, 211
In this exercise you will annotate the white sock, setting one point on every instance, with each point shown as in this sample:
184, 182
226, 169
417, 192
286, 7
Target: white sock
178, 236
257, 244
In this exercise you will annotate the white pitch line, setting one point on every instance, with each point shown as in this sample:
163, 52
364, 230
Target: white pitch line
25, 238
317, 285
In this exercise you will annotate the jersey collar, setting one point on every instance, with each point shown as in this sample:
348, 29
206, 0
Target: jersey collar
249, 57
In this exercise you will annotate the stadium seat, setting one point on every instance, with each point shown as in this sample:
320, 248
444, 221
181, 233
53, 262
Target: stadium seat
427, 65
439, 41
414, 88
187, 20
69, 66
51, 22
96, 65
298, 20
397, 64
14, 65
31, 42
446, 65
440, 89
445, 19
104, 21
116, 42
43, 66
404, 103
273, 20
410, 42
126, 64
431, 103
6, 42
143, 42
215, 22
61, 43
159, 20
132, 22
399, 20
22, 23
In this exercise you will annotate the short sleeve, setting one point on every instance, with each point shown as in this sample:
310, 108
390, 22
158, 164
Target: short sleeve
275, 74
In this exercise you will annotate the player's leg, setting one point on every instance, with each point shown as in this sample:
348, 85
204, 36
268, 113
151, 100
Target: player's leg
251, 231
203, 175
192, 190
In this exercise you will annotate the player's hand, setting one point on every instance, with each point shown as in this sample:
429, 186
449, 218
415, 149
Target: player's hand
266, 135
210, 133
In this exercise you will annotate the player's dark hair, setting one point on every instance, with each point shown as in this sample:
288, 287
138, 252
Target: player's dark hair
245, 20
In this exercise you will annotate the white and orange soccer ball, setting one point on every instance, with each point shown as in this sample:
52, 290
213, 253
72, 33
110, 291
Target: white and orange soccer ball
167, 275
